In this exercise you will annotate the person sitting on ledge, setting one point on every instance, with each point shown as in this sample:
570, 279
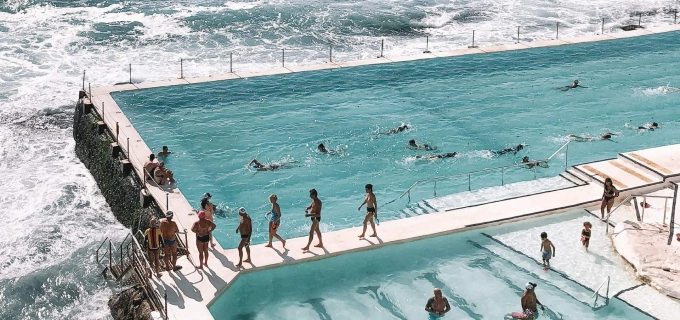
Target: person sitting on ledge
573, 85
264, 167
161, 174
412, 143
165, 152
149, 167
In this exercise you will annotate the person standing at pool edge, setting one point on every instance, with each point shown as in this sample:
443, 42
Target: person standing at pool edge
169, 230
245, 227
209, 209
610, 193
315, 209
275, 221
203, 227
371, 211
153, 241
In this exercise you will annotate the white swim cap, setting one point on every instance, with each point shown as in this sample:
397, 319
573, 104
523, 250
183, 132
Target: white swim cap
530, 286
241, 210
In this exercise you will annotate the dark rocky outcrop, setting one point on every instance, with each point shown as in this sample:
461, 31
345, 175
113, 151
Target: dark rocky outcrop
130, 304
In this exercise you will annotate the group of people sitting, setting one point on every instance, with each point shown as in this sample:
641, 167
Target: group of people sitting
156, 170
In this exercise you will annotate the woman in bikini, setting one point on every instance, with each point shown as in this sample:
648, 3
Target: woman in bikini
610, 193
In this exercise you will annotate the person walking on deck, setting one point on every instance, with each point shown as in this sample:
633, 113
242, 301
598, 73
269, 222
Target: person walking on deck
274, 221
245, 227
610, 193
202, 228
314, 212
371, 211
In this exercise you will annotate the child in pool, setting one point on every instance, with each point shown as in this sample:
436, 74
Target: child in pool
547, 250
585, 234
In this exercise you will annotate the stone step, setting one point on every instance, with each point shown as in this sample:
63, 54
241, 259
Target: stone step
623, 175
573, 178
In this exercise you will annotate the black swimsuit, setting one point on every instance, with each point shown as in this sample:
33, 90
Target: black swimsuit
370, 210
204, 238
586, 235
609, 194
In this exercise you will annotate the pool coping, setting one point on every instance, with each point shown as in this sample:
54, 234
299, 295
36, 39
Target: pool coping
117, 122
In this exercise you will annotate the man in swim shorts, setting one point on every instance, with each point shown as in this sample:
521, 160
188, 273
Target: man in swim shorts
149, 167
153, 241
169, 230
547, 249
371, 210
529, 301
245, 227
203, 227
437, 305
315, 215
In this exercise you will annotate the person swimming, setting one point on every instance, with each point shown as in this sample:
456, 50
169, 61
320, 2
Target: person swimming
573, 85
401, 128
514, 150
649, 127
412, 143
263, 167
532, 164
438, 156
606, 136
322, 148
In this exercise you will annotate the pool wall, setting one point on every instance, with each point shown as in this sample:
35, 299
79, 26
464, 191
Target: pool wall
190, 292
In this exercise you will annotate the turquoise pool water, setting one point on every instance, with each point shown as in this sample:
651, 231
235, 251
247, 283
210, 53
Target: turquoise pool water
467, 104
481, 278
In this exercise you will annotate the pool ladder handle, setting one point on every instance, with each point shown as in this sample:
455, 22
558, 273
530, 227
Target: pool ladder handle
469, 174
607, 280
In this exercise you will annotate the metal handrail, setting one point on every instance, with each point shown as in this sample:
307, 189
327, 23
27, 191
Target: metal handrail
600, 287
627, 199
470, 173
100, 246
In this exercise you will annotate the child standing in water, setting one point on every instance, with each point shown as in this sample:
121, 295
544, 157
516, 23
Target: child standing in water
547, 249
585, 234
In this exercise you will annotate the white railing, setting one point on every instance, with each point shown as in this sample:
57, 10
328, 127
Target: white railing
607, 280
533, 164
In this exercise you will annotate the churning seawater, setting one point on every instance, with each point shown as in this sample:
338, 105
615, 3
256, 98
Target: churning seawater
53, 214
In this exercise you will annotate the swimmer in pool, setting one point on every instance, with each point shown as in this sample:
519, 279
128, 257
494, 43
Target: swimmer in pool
322, 148
649, 127
531, 164
530, 302
514, 150
438, 156
573, 85
606, 136
263, 167
412, 143
401, 128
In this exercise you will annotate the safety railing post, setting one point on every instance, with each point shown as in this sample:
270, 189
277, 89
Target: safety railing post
644, 200
427, 44
117, 131
167, 203
283, 58
231, 60
535, 171
330, 52
89, 90
382, 48
127, 147
83, 80
640, 20
435, 188
671, 224
557, 28
503, 176
130, 67
675, 16
469, 184
409, 196
181, 68
518, 34
110, 254
103, 113
186, 242
473, 40
665, 208
121, 255
566, 157
602, 26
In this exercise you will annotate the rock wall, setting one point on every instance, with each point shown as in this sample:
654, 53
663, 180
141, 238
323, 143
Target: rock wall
645, 247
121, 191
130, 304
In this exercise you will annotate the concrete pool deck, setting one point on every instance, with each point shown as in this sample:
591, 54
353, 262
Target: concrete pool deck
190, 292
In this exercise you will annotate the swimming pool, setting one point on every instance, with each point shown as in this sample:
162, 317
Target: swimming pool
467, 104
482, 277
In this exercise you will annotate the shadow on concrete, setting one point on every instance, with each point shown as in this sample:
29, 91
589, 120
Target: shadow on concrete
187, 287
214, 279
224, 261
174, 297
